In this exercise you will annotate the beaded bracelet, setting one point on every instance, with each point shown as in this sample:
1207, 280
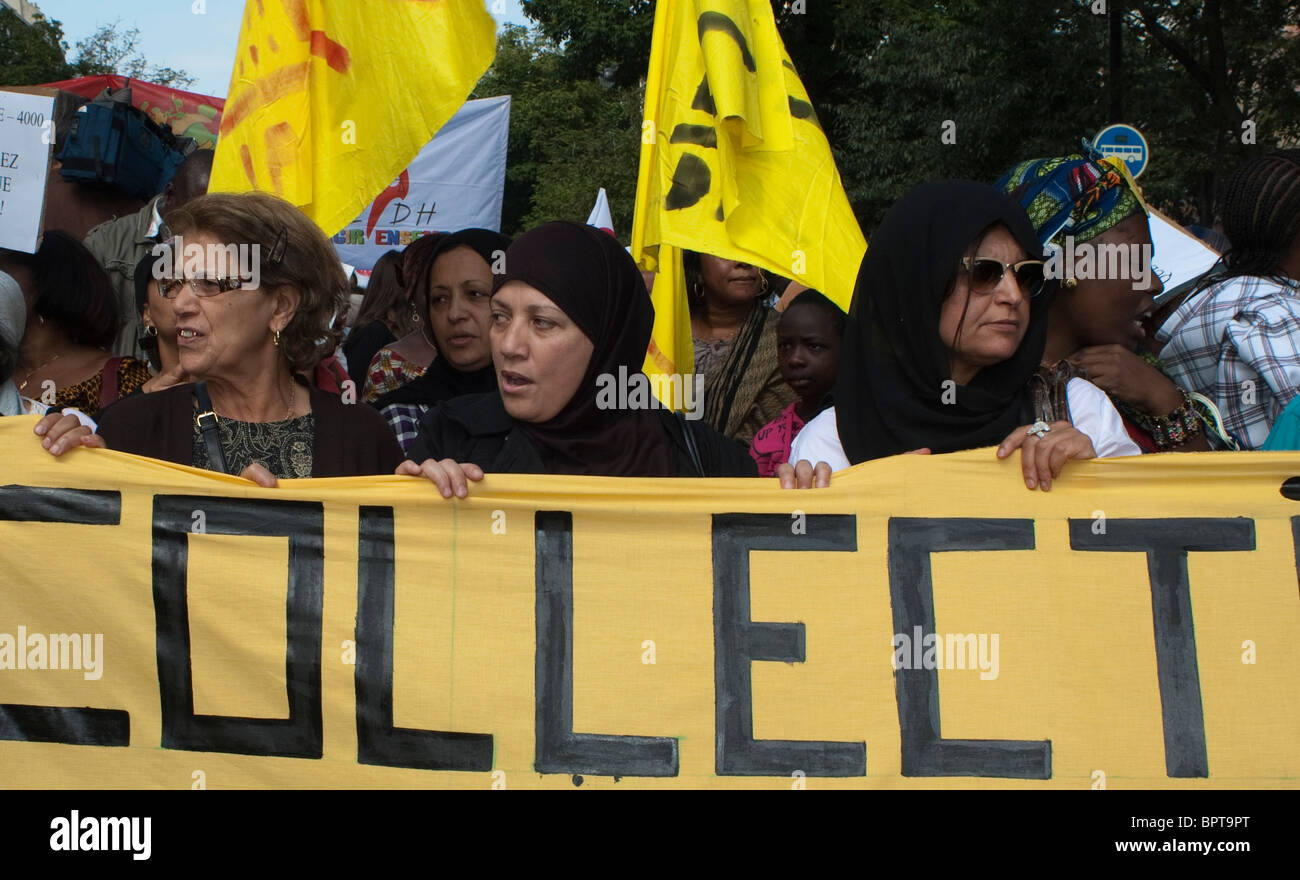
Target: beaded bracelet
1172, 430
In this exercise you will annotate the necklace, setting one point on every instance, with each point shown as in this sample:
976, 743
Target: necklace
33, 370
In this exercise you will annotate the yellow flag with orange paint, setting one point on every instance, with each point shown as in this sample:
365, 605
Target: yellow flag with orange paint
330, 100
733, 163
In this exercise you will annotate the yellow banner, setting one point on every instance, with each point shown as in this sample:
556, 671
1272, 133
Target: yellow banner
329, 101
925, 622
734, 162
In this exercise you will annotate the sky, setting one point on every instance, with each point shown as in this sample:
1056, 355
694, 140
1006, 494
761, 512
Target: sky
172, 35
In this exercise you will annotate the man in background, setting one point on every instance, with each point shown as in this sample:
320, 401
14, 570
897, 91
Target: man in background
121, 243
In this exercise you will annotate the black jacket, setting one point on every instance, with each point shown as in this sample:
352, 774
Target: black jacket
476, 428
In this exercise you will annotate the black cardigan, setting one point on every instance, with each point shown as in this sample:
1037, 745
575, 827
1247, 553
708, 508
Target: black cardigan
350, 440
477, 429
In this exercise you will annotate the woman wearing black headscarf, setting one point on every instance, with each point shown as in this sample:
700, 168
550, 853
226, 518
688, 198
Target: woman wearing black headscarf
569, 316
455, 283
944, 339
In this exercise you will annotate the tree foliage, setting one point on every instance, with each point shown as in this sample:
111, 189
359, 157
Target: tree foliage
1004, 79
37, 53
568, 136
31, 54
111, 50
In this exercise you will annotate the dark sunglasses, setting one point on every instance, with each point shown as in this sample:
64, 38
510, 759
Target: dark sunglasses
986, 273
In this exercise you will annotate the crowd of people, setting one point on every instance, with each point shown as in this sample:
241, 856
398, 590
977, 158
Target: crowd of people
474, 354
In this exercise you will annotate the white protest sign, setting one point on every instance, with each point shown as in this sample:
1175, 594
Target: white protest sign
26, 135
1177, 257
457, 181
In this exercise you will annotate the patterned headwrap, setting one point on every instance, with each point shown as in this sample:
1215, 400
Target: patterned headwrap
1081, 195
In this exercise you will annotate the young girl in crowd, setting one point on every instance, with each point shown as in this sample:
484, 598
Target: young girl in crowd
944, 334
808, 349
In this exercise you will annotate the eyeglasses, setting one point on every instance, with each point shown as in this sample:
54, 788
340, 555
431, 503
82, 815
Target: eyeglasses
986, 273
170, 287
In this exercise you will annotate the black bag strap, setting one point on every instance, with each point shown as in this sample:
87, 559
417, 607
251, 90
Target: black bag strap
206, 419
691, 448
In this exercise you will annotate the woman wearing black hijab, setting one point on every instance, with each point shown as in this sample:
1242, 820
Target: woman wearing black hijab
945, 334
570, 315
454, 283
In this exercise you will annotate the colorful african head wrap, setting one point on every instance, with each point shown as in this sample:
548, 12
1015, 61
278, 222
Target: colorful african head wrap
1081, 195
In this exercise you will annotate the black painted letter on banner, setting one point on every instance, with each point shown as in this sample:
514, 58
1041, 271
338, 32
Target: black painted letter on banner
378, 741
1166, 543
559, 749
738, 641
911, 590
302, 522
60, 724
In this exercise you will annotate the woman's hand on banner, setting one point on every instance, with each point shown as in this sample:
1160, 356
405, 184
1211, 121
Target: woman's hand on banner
450, 476
59, 433
804, 475
1044, 450
258, 473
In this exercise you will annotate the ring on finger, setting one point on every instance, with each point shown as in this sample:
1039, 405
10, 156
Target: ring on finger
1038, 429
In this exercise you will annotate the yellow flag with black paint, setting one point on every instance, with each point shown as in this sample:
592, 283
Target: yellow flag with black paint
329, 101
733, 163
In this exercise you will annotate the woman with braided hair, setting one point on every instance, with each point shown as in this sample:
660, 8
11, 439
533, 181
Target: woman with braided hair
1236, 338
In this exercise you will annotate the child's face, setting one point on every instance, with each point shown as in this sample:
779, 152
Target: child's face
808, 351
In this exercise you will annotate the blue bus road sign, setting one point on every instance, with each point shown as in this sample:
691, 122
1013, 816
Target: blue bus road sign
1124, 142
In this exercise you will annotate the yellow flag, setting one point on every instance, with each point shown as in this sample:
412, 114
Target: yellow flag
330, 100
733, 163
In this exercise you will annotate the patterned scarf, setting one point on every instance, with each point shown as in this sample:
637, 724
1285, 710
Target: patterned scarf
1081, 195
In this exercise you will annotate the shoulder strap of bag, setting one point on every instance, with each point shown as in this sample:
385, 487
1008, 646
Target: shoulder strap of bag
206, 419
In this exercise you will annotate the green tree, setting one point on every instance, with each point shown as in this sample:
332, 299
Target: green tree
110, 50
1019, 86
31, 54
600, 37
1238, 64
568, 137
908, 92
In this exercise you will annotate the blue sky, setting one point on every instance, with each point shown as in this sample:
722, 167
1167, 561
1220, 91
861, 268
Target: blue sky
171, 35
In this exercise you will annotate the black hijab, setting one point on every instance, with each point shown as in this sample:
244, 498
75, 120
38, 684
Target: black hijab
889, 397
594, 282
443, 381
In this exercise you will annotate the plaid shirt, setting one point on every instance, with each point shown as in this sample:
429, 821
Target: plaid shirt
1238, 343
404, 419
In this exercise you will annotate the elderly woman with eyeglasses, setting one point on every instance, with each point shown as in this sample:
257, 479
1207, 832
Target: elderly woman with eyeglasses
253, 290
944, 346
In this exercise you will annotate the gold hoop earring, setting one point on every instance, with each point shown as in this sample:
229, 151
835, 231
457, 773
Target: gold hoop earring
275, 337
150, 330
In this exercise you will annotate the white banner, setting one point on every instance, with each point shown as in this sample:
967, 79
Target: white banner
26, 132
456, 182
1178, 256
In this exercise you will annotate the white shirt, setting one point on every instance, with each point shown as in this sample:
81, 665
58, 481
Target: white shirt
1090, 408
